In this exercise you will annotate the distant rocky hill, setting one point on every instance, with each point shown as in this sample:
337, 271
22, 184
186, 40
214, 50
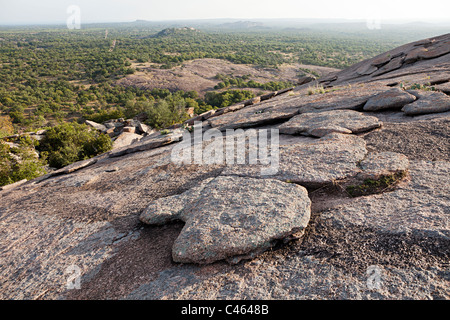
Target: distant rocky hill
175, 31
201, 75
351, 201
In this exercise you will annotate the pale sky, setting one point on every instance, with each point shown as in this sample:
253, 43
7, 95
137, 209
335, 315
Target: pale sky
55, 11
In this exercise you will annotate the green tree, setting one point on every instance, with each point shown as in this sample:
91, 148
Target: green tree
6, 126
227, 98
71, 142
160, 115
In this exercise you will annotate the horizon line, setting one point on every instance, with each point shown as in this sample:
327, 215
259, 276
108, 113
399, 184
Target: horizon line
335, 20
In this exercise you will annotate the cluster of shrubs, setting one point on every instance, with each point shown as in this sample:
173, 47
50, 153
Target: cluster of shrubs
61, 146
241, 82
70, 142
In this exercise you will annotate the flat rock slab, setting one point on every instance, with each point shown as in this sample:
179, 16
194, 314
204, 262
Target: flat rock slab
125, 139
333, 157
290, 104
444, 87
405, 60
146, 143
232, 217
68, 169
427, 102
436, 50
390, 99
366, 69
38, 256
168, 209
321, 123
383, 163
392, 65
346, 97
276, 109
95, 125
420, 207
322, 131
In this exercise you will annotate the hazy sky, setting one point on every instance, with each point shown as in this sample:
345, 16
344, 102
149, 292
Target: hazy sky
51, 11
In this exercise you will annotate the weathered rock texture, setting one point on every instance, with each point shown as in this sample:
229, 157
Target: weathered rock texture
331, 158
410, 61
405, 210
321, 123
383, 164
125, 139
390, 99
85, 217
428, 102
228, 217
288, 105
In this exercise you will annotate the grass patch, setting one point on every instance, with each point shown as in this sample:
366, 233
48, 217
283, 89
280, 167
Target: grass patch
321, 90
316, 90
418, 86
371, 186
165, 132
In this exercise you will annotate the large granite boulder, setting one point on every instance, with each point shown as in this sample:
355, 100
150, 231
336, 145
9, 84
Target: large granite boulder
378, 164
427, 102
95, 125
232, 217
321, 123
394, 98
125, 139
